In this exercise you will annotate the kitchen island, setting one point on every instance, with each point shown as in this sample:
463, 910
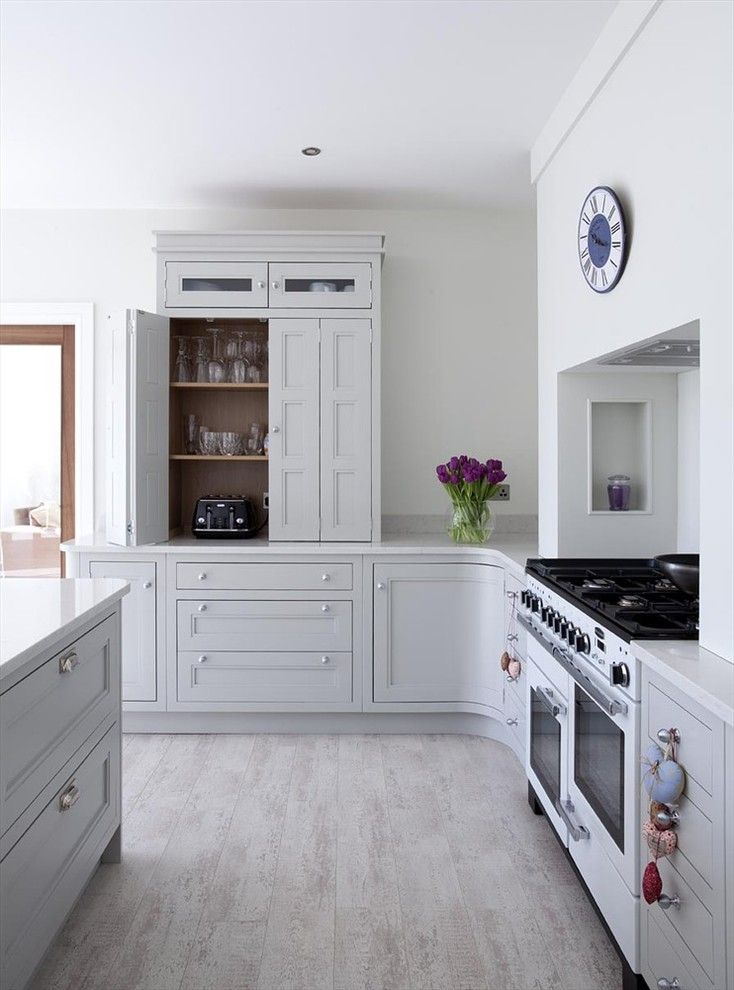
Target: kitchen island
59, 755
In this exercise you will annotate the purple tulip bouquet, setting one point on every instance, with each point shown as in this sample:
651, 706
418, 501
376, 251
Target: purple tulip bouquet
470, 484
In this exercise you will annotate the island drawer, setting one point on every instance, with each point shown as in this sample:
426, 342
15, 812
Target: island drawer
46, 717
274, 678
691, 920
264, 626
663, 962
695, 747
219, 576
46, 870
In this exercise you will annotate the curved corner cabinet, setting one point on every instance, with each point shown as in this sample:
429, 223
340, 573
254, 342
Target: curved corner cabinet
308, 305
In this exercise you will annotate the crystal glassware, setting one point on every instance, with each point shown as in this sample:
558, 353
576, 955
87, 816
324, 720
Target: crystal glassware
208, 443
238, 366
231, 443
216, 365
191, 433
201, 364
182, 367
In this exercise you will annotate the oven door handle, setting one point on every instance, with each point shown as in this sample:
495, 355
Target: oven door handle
549, 700
577, 832
612, 706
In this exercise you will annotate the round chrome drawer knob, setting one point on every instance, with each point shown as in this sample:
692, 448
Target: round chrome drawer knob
667, 819
664, 984
511, 721
324, 608
380, 586
147, 584
324, 659
666, 736
202, 658
202, 608
325, 577
666, 902
202, 576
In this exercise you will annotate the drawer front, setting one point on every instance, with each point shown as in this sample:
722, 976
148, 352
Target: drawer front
695, 747
517, 687
276, 678
663, 962
216, 285
515, 721
695, 841
263, 577
301, 286
48, 715
48, 867
284, 627
691, 921
139, 640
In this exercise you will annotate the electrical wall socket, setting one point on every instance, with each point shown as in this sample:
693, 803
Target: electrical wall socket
502, 494
266, 500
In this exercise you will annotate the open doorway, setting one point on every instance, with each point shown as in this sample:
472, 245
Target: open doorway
37, 449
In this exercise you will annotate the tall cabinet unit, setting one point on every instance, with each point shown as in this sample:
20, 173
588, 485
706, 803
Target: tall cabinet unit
314, 297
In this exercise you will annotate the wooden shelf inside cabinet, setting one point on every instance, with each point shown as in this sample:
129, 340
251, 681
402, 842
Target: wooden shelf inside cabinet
222, 386
218, 457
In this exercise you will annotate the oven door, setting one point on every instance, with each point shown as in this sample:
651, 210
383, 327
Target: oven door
546, 751
603, 772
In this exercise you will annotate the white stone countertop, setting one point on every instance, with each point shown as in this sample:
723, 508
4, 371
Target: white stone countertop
509, 550
36, 613
704, 676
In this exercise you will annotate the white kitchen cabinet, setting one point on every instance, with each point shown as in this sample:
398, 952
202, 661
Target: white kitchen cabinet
294, 430
139, 625
320, 286
438, 633
346, 416
215, 285
137, 429
321, 430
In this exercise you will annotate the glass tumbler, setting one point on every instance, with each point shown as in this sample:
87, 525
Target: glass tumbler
191, 425
618, 491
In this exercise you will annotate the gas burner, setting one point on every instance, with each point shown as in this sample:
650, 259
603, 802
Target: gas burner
663, 584
631, 601
597, 584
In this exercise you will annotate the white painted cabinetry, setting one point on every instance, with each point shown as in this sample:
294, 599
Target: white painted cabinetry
438, 633
215, 285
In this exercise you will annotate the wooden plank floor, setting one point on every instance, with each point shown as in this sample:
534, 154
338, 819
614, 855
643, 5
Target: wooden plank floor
270, 862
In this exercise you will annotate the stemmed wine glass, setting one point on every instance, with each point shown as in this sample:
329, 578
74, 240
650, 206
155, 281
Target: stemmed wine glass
201, 365
182, 369
216, 366
238, 367
251, 353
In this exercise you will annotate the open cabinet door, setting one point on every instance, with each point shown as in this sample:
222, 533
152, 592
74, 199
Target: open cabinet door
137, 425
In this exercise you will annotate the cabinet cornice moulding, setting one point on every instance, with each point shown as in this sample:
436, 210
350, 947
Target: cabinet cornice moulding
619, 34
308, 242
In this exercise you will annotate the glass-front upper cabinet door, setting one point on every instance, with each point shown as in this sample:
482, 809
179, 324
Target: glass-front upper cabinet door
320, 286
216, 285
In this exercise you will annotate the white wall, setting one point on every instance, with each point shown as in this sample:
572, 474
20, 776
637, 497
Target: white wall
459, 324
659, 132
689, 461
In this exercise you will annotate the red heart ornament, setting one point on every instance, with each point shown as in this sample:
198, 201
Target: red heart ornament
652, 885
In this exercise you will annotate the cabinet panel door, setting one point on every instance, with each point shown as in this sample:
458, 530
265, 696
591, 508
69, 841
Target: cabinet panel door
296, 285
346, 433
139, 646
294, 430
438, 633
216, 285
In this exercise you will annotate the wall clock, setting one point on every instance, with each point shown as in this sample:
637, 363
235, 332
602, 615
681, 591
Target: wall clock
602, 239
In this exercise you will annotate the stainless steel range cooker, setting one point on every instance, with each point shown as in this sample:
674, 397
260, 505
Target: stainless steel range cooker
583, 740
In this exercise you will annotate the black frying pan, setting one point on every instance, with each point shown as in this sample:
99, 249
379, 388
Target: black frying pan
681, 568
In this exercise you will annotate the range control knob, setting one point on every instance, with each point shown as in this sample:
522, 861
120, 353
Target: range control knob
583, 643
564, 629
557, 620
571, 635
620, 674
544, 613
535, 603
524, 596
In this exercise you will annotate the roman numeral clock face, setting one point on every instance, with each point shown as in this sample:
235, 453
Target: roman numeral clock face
601, 238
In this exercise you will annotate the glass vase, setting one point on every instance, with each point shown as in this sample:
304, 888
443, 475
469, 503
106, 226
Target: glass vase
471, 522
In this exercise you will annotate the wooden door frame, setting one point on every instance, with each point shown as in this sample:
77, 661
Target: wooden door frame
80, 315
62, 336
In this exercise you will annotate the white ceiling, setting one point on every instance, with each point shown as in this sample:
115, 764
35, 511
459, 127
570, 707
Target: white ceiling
207, 103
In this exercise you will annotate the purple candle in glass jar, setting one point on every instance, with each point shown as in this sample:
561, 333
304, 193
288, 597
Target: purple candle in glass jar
618, 491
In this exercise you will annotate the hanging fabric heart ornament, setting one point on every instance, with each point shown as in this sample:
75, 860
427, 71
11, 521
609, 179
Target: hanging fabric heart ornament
652, 884
514, 667
659, 843
662, 778
505, 660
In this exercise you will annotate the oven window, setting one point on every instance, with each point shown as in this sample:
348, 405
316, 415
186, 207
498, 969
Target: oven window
599, 764
545, 746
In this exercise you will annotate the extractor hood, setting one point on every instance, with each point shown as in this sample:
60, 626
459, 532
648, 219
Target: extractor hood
659, 354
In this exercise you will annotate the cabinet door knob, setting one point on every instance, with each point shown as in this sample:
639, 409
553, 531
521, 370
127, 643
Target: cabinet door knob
202, 608
324, 577
666, 736
147, 584
261, 285
68, 663
69, 797
276, 285
202, 576
664, 984
380, 586
511, 721
668, 819
202, 658
275, 429
324, 659
666, 902
324, 608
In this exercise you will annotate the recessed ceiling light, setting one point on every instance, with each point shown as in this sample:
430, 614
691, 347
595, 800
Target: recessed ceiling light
311, 151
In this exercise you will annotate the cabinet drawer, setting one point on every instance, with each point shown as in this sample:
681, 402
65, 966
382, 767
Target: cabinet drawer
263, 577
46, 717
216, 285
517, 688
301, 286
691, 921
695, 841
515, 721
695, 747
265, 677
663, 962
237, 626
48, 867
